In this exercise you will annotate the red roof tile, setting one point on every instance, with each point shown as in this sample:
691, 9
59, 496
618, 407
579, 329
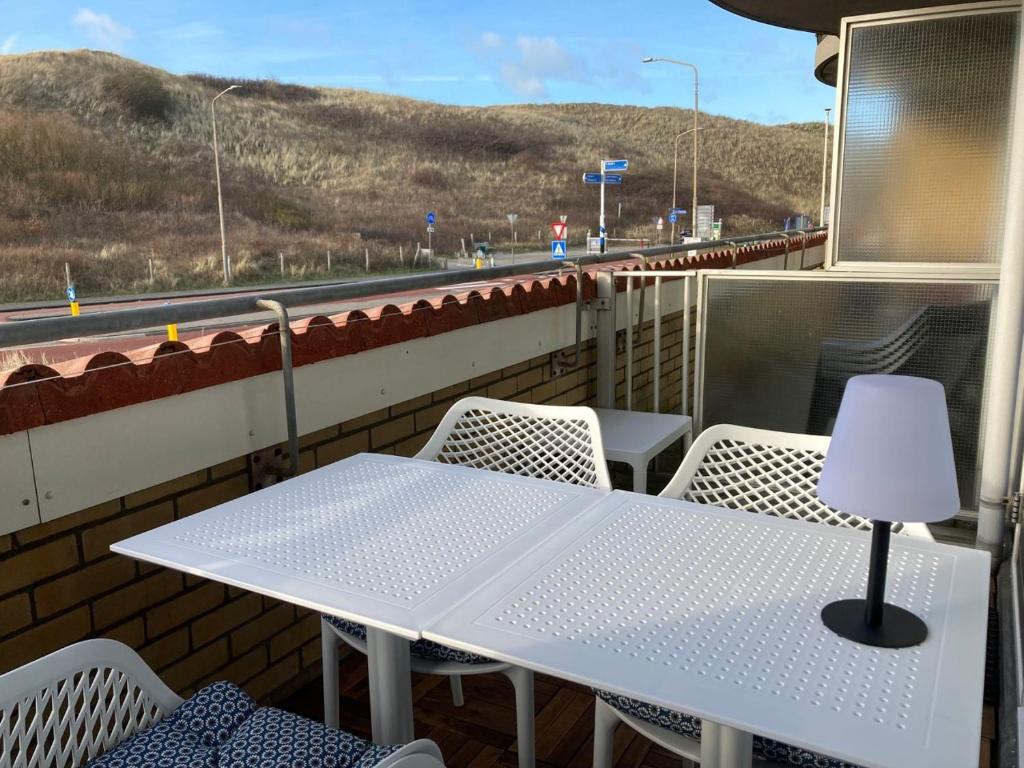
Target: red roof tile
34, 395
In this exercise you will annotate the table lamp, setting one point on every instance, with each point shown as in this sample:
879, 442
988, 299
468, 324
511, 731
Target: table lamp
890, 459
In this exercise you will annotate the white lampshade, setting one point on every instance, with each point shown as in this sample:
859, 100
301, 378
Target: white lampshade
891, 455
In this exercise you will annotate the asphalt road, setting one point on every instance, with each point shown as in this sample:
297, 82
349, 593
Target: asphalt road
124, 342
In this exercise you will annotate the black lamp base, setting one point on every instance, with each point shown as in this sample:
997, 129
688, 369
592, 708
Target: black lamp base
873, 621
899, 628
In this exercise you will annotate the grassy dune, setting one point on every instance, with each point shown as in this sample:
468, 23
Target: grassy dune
106, 163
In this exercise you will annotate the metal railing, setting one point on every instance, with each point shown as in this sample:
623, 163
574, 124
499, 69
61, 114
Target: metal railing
43, 330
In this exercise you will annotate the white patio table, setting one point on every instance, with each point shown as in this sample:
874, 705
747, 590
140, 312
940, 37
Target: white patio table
715, 612
388, 542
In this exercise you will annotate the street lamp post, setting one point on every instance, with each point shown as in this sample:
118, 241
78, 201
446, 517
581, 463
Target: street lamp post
675, 168
220, 199
824, 167
696, 110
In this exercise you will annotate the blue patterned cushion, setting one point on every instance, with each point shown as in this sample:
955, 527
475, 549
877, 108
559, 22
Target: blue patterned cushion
689, 726
220, 727
272, 738
422, 648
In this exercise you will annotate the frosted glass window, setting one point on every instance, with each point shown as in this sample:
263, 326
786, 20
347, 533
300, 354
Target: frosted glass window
778, 352
923, 172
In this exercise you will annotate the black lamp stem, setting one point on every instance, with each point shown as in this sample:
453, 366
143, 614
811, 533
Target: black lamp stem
873, 608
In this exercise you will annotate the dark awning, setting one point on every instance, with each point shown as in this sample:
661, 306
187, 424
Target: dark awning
817, 15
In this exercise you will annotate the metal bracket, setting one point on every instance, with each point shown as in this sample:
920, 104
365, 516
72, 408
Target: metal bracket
1013, 509
267, 467
602, 304
563, 362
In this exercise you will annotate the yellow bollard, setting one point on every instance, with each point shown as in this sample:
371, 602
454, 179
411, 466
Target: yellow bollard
172, 332
75, 311
479, 263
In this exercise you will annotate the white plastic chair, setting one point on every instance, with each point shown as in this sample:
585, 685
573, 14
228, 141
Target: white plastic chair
561, 443
757, 470
73, 705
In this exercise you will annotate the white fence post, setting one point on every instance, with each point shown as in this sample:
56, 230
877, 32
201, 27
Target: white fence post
367, 259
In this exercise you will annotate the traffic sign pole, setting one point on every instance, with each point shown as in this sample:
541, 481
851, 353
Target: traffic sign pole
600, 224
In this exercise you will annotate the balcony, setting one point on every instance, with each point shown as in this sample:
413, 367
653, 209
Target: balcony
763, 332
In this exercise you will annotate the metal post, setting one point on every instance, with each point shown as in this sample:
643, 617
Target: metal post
280, 257
605, 306
657, 345
824, 168
629, 343
601, 231
285, 334
220, 199
685, 407
329, 258
67, 273
150, 271
1007, 335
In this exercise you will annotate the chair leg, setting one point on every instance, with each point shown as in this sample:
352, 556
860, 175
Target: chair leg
522, 681
605, 721
329, 644
456, 683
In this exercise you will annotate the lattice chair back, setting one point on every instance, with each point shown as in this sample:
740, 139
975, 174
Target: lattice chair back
64, 709
553, 442
761, 470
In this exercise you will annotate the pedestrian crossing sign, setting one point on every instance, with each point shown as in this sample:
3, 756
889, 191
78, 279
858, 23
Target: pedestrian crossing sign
558, 249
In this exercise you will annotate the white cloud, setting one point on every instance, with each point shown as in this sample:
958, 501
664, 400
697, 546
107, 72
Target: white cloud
102, 29
531, 63
490, 40
8, 44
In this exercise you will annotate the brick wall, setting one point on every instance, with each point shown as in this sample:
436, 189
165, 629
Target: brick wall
60, 583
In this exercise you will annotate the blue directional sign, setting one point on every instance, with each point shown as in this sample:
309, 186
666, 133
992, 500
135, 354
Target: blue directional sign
591, 178
672, 218
613, 178
678, 210
558, 249
70, 293
614, 165
431, 218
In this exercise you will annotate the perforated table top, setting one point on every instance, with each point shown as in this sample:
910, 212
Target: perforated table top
381, 540
715, 612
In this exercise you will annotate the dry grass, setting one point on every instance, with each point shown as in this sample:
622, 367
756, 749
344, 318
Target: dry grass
106, 163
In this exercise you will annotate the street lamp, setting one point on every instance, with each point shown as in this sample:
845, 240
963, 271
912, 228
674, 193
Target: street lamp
696, 100
824, 167
220, 199
675, 168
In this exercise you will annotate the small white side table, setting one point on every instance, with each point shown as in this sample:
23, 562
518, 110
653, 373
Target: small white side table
636, 437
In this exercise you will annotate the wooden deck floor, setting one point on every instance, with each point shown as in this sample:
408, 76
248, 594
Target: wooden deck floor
481, 733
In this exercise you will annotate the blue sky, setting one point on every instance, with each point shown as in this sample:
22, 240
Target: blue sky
460, 52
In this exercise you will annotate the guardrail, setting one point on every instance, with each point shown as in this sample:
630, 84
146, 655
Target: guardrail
25, 332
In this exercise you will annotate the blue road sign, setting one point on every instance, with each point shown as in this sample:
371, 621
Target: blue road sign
613, 178
672, 218
431, 218
591, 178
558, 249
70, 293
614, 165
678, 210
